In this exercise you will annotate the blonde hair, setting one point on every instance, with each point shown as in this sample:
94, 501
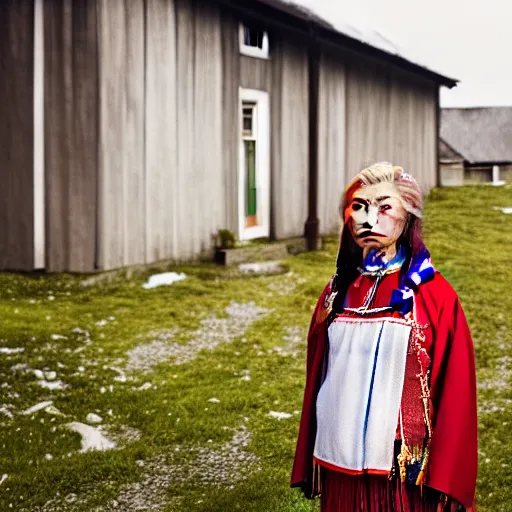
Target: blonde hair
381, 172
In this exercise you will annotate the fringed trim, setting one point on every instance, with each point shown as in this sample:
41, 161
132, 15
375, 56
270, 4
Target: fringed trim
413, 461
316, 480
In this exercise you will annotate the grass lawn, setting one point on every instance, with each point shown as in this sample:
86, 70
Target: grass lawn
184, 377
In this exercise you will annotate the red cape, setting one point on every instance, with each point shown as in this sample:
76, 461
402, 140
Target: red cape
452, 467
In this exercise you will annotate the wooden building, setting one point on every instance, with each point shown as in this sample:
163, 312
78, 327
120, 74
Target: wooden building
476, 146
133, 130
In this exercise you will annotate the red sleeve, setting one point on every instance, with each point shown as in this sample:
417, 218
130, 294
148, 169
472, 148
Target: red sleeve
302, 471
454, 449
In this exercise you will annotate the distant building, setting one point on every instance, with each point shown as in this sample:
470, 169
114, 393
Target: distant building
133, 130
476, 145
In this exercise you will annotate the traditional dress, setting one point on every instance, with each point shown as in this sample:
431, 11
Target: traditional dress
389, 420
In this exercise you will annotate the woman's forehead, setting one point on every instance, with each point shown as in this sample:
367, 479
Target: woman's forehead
376, 192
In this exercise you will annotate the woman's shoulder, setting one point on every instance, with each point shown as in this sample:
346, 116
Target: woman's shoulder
438, 290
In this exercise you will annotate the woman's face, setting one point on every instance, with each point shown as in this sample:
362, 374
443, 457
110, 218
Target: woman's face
375, 216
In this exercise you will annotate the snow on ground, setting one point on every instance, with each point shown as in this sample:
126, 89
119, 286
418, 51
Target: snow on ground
212, 332
280, 415
263, 267
505, 210
37, 407
8, 350
164, 279
92, 438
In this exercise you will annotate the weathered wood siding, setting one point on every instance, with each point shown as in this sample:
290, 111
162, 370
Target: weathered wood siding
122, 209
71, 126
16, 135
162, 211
331, 135
231, 81
391, 116
289, 138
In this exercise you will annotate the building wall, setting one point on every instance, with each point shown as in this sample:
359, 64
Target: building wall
17, 135
284, 77
452, 174
161, 175
142, 129
70, 134
332, 139
391, 116
506, 173
477, 175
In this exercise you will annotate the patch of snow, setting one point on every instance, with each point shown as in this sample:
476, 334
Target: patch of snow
93, 418
164, 279
214, 400
264, 267
92, 438
5, 409
56, 384
78, 330
48, 456
37, 407
506, 210
144, 387
121, 377
101, 323
51, 375
279, 415
53, 410
5, 476
56, 337
8, 350
20, 367
39, 374
81, 369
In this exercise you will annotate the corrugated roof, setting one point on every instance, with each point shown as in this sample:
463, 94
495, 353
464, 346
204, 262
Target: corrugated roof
479, 134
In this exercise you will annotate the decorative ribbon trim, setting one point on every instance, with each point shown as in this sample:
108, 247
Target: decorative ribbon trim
420, 271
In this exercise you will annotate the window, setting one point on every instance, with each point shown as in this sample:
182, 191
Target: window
249, 135
253, 41
254, 165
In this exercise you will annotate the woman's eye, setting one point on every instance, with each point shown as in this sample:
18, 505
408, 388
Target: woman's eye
385, 207
357, 206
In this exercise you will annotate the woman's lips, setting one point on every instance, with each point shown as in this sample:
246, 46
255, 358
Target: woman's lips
368, 234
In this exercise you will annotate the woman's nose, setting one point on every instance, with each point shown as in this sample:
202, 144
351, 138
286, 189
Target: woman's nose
372, 215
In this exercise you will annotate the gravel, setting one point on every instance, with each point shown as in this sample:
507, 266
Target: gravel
212, 332
222, 467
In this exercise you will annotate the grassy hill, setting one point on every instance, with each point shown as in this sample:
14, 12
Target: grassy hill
199, 384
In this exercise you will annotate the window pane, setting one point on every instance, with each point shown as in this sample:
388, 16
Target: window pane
250, 173
253, 37
247, 121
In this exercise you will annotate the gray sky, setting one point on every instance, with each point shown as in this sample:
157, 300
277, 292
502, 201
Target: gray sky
470, 40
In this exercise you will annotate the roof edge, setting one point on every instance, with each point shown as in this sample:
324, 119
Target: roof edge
279, 13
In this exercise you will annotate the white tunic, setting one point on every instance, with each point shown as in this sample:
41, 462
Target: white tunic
359, 401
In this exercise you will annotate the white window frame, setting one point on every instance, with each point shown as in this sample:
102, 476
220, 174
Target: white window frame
251, 51
262, 136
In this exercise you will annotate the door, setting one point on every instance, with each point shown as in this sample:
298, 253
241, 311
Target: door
254, 165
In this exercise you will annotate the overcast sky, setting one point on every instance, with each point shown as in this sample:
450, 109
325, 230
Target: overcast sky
470, 40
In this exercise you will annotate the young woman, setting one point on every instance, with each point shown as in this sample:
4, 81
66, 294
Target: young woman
389, 421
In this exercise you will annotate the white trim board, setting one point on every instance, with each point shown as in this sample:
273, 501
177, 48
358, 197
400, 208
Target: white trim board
261, 98
38, 163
